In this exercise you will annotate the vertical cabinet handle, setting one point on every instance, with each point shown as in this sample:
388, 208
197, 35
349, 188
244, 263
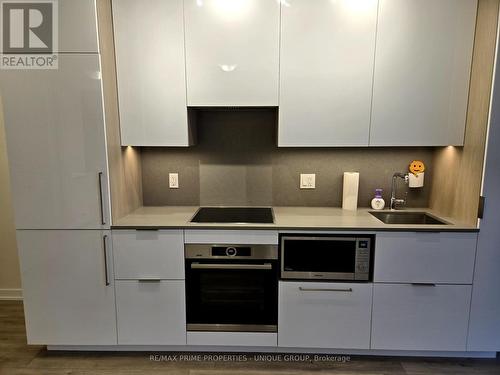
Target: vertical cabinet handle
101, 198
105, 249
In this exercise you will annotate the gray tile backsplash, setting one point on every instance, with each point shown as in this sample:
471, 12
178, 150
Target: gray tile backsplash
236, 162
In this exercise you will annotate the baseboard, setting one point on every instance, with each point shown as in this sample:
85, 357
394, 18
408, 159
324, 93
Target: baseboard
11, 294
261, 349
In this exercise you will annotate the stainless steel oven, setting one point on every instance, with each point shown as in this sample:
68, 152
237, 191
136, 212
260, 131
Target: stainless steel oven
232, 288
329, 257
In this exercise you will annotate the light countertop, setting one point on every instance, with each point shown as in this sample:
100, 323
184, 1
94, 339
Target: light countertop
285, 218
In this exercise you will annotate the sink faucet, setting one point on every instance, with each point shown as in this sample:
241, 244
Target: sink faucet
395, 202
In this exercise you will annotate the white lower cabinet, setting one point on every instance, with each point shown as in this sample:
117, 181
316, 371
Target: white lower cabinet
420, 317
68, 289
324, 315
151, 312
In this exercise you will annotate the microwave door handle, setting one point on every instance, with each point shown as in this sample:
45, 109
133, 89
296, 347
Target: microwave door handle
215, 266
345, 290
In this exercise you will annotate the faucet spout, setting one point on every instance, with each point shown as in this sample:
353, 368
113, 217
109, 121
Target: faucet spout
396, 202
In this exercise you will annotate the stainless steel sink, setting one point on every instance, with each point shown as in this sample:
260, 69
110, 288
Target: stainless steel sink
410, 218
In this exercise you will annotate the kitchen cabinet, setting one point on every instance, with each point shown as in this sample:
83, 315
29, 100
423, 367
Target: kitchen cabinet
422, 70
77, 26
420, 317
484, 325
325, 315
326, 71
232, 52
68, 286
56, 145
425, 257
150, 64
151, 312
157, 254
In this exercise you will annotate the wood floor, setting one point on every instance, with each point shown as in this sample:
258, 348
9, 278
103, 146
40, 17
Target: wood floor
16, 358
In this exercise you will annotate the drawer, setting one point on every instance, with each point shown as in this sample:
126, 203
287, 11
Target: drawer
247, 339
410, 317
234, 237
325, 315
151, 313
148, 254
441, 257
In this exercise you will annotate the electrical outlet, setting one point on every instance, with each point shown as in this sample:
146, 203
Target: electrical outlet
308, 181
173, 180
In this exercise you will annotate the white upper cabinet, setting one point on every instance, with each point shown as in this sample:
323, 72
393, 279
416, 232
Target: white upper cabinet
150, 63
77, 26
56, 145
326, 70
232, 52
422, 68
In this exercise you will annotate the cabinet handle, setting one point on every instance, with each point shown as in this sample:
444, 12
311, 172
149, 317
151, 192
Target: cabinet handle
101, 198
423, 284
235, 266
105, 248
346, 290
149, 280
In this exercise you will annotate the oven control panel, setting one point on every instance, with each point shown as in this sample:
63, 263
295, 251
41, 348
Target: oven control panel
232, 251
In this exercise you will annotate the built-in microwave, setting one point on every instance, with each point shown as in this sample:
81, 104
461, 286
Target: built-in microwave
326, 257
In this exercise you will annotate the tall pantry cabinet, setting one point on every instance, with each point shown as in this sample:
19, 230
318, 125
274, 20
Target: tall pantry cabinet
54, 125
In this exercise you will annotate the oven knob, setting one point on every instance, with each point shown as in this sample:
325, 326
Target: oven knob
231, 252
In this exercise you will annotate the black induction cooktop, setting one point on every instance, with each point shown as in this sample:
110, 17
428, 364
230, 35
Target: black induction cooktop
250, 215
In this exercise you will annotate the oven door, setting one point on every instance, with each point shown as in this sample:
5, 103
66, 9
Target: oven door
232, 295
324, 258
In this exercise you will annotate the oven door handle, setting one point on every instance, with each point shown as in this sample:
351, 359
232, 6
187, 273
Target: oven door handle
215, 266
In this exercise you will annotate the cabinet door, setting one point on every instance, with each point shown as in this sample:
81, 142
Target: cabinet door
422, 70
149, 254
78, 26
416, 317
446, 257
232, 52
151, 312
326, 70
56, 145
150, 65
68, 287
324, 315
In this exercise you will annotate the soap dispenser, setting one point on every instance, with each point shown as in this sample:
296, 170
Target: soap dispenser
378, 202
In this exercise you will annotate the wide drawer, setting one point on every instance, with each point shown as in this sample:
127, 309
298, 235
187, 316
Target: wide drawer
325, 315
148, 254
151, 312
442, 257
234, 237
420, 317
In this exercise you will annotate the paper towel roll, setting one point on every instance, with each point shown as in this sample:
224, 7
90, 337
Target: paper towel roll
350, 195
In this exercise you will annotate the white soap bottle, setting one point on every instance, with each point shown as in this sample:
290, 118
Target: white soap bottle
378, 202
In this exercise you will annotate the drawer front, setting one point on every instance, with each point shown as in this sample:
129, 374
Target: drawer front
324, 315
425, 257
151, 313
149, 254
234, 237
409, 317
248, 339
